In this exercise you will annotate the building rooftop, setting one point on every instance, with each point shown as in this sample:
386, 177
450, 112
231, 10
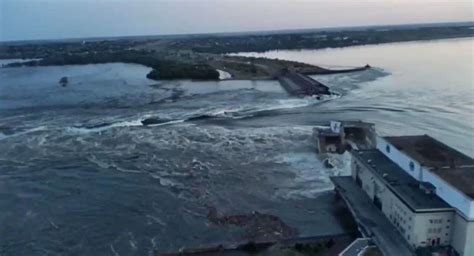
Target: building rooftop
401, 183
460, 178
430, 152
449, 164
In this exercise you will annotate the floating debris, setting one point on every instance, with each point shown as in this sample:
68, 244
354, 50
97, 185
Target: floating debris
63, 81
257, 226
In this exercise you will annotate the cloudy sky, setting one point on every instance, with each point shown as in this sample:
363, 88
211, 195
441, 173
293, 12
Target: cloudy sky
53, 19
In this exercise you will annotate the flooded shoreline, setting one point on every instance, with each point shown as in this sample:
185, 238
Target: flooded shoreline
81, 174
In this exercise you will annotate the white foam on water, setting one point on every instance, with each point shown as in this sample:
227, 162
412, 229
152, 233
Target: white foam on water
11, 61
311, 176
165, 182
223, 75
121, 124
233, 112
154, 244
132, 241
295, 103
120, 169
99, 163
36, 129
112, 165
115, 253
167, 123
154, 219
132, 123
85, 130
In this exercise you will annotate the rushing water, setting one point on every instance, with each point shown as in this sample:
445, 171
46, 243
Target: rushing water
428, 87
80, 174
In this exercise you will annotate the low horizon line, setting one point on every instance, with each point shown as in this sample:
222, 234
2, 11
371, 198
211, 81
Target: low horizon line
229, 33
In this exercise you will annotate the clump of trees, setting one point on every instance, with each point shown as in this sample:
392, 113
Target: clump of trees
322, 39
184, 71
162, 68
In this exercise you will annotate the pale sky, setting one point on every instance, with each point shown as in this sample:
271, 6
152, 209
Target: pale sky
54, 19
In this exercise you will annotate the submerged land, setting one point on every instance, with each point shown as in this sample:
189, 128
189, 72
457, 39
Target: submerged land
200, 56
190, 57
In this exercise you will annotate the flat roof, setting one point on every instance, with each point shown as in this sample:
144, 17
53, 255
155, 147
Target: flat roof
401, 183
449, 164
430, 152
461, 178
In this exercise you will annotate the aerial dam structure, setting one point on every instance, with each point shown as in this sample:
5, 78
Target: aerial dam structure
301, 85
297, 84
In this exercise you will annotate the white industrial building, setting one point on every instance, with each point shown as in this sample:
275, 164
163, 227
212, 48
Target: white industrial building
424, 187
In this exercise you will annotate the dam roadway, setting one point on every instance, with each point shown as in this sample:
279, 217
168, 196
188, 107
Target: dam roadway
300, 85
297, 83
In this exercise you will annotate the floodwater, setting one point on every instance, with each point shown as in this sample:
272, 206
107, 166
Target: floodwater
427, 88
80, 174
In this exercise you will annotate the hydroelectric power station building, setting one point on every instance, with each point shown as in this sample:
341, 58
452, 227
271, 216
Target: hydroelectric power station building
423, 187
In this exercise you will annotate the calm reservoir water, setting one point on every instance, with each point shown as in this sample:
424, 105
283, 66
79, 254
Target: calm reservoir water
79, 174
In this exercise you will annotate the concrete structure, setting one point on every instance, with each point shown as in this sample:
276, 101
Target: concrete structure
423, 187
341, 134
300, 85
328, 141
371, 222
356, 247
420, 216
449, 173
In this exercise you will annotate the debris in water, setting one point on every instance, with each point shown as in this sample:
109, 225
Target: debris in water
257, 226
63, 81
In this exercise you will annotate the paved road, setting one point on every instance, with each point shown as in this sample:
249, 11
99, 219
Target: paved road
371, 219
356, 247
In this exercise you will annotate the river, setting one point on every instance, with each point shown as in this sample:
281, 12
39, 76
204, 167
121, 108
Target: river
81, 175
428, 87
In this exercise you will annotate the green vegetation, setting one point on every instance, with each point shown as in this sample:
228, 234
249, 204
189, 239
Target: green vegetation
162, 69
321, 39
184, 71
198, 57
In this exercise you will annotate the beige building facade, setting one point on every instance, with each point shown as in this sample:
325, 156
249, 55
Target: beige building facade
421, 217
424, 187
448, 171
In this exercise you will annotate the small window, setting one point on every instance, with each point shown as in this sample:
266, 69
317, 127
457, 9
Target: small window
412, 166
387, 148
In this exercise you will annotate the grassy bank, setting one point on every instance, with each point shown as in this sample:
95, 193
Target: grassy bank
162, 68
